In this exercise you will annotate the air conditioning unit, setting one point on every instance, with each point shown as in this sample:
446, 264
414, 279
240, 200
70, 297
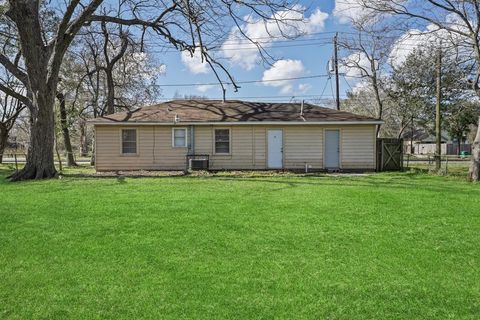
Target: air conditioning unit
198, 164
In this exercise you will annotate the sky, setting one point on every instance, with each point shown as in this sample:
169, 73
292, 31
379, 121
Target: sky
306, 58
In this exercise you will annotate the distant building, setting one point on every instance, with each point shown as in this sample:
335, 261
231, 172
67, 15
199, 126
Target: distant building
424, 143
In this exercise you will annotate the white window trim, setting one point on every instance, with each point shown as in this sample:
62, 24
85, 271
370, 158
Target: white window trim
229, 142
173, 137
121, 143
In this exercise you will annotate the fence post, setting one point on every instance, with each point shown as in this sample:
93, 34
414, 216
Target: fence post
382, 159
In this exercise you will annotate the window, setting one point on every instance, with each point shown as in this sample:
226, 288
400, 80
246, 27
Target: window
222, 141
129, 141
179, 137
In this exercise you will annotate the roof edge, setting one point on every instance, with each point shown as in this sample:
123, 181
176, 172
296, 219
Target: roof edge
276, 123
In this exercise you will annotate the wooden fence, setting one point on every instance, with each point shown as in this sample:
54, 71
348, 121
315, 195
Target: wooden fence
389, 154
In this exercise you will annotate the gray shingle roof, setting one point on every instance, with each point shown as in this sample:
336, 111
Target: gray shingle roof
199, 111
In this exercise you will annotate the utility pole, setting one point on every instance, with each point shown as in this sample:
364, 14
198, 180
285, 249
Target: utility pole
438, 115
335, 59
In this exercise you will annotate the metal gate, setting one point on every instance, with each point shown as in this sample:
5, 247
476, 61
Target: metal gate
389, 154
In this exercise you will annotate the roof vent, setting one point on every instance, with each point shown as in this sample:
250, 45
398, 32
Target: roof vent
301, 110
176, 119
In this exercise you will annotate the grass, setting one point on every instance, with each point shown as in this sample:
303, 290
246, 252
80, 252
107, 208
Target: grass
384, 246
457, 170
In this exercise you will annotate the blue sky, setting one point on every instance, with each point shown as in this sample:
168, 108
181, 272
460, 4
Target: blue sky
304, 57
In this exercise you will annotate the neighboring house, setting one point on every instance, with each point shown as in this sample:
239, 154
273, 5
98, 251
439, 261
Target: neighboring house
424, 143
235, 135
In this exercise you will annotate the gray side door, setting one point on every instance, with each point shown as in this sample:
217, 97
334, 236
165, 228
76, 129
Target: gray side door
332, 149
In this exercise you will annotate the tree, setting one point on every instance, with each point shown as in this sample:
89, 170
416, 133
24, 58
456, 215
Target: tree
186, 25
10, 109
360, 100
455, 21
10, 88
368, 57
105, 71
42, 60
460, 118
116, 70
64, 126
411, 90
408, 93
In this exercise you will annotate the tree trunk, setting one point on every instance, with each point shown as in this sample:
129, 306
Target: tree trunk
42, 64
65, 132
474, 173
83, 139
42, 80
60, 166
92, 159
110, 92
40, 163
3, 141
378, 99
459, 142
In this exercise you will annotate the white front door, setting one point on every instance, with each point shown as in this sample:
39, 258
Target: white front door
275, 149
332, 149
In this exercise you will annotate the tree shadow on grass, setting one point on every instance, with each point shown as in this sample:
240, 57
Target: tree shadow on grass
400, 182
6, 172
409, 180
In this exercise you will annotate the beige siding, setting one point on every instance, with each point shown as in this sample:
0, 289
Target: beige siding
166, 156
302, 145
260, 147
242, 147
108, 149
154, 149
358, 147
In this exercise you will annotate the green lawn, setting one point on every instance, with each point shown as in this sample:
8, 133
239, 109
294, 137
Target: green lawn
386, 246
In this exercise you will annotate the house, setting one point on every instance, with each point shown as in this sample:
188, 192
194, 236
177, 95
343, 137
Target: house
235, 135
424, 143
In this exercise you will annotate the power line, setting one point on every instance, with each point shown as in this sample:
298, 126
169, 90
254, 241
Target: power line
230, 39
271, 98
253, 47
325, 87
243, 82
271, 39
346, 81
277, 41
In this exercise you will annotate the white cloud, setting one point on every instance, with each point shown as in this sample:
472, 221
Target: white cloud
304, 87
204, 87
243, 53
283, 69
347, 10
194, 64
361, 86
415, 39
406, 44
353, 65
431, 37
316, 22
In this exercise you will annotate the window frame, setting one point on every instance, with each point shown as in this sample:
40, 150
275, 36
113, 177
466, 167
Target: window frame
136, 143
186, 137
229, 142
